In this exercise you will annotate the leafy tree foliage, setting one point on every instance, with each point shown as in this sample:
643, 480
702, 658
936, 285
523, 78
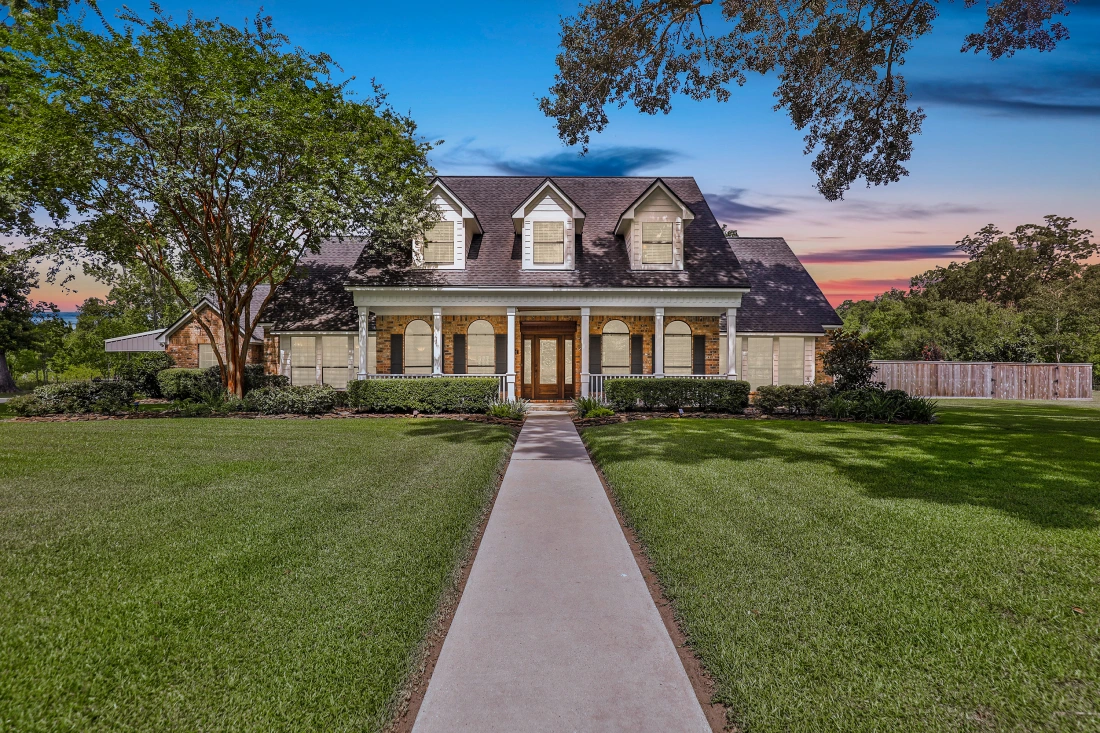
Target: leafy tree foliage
848, 360
836, 61
208, 153
1031, 295
17, 311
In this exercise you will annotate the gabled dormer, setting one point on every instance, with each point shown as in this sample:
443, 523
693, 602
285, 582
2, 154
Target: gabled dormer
548, 222
653, 229
445, 245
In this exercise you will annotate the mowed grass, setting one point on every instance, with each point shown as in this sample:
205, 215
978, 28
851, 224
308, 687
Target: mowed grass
227, 574
848, 577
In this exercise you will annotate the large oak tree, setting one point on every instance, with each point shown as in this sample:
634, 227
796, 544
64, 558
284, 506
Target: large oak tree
206, 152
837, 63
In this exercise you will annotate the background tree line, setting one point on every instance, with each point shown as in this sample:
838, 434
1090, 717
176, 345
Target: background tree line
1032, 294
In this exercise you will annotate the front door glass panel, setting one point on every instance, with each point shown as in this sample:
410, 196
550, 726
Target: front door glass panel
548, 361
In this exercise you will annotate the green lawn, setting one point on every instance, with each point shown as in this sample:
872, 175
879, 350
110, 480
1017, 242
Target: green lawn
227, 574
841, 577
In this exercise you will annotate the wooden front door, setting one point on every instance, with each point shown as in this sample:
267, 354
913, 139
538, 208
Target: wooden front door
548, 360
548, 365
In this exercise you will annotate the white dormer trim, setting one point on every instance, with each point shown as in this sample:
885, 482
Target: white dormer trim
575, 212
658, 203
466, 225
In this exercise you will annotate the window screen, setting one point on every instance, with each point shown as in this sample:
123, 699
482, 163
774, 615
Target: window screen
616, 348
334, 361
481, 351
549, 242
657, 243
206, 356
303, 360
758, 362
792, 360
418, 348
439, 246
677, 348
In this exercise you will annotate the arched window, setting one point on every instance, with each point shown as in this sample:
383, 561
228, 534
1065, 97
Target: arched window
677, 348
481, 348
615, 348
418, 348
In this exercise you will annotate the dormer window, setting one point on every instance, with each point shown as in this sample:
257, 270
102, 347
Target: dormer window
653, 229
656, 243
548, 239
439, 245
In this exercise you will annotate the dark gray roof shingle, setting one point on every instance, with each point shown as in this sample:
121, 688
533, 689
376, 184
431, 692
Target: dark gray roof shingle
783, 297
494, 258
315, 297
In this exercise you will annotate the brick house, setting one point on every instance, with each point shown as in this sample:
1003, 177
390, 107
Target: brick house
554, 285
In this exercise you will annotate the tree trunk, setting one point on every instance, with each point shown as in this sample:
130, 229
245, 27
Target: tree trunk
234, 359
7, 383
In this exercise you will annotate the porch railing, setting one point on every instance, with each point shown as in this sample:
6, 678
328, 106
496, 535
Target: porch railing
502, 379
596, 381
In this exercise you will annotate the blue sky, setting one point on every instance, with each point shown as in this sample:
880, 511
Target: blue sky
1004, 142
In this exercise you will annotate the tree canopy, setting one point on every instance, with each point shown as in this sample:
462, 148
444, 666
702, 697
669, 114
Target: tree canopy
837, 63
208, 153
17, 310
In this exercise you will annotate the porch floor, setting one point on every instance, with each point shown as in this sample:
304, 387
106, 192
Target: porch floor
556, 629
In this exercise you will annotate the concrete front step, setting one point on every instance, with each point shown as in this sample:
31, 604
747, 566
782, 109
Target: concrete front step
550, 406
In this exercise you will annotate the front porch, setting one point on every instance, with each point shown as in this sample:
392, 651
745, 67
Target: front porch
540, 354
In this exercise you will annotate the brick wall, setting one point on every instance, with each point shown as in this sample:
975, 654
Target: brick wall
183, 346
821, 345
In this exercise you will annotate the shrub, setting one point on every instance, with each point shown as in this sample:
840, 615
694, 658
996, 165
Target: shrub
795, 399
600, 412
585, 406
72, 398
188, 384
920, 409
431, 394
838, 407
707, 395
254, 377
507, 409
302, 400
875, 403
142, 369
848, 360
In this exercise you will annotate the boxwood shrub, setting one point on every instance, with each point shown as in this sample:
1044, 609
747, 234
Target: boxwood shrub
795, 399
72, 398
672, 393
301, 400
188, 384
431, 394
142, 369
254, 377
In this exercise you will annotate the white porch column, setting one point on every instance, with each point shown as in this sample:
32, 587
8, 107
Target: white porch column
585, 313
437, 341
731, 343
364, 341
659, 342
511, 373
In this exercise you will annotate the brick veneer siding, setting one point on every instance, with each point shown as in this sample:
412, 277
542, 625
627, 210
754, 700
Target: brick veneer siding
821, 345
639, 325
271, 354
183, 345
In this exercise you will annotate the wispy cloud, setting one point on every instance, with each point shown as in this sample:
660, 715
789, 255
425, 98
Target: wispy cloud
882, 254
730, 209
875, 211
1065, 94
620, 160
837, 291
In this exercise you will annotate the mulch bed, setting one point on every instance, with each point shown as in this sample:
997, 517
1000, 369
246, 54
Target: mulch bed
338, 415
750, 414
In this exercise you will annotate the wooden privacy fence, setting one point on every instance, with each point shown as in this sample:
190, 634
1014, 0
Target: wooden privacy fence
987, 379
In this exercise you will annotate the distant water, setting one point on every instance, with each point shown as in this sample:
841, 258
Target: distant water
69, 317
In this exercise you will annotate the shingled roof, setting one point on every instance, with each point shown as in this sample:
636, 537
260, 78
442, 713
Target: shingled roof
783, 297
315, 298
495, 258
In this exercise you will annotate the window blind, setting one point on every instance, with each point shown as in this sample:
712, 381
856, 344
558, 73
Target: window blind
206, 356
481, 348
334, 361
758, 362
792, 360
418, 348
548, 242
615, 355
677, 348
439, 246
657, 243
303, 360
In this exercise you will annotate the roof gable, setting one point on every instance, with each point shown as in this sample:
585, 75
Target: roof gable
658, 185
458, 203
570, 206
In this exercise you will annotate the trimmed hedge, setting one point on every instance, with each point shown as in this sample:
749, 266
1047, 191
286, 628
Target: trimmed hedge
254, 377
430, 394
142, 370
301, 400
796, 399
672, 393
74, 398
188, 384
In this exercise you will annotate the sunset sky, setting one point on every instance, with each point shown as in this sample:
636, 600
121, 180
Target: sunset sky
1005, 142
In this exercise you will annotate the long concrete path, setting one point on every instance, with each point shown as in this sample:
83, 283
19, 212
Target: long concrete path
556, 630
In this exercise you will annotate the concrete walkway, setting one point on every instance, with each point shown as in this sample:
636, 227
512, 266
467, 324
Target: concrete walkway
556, 630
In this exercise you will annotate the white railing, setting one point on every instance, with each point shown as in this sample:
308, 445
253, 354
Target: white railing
596, 381
502, 379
